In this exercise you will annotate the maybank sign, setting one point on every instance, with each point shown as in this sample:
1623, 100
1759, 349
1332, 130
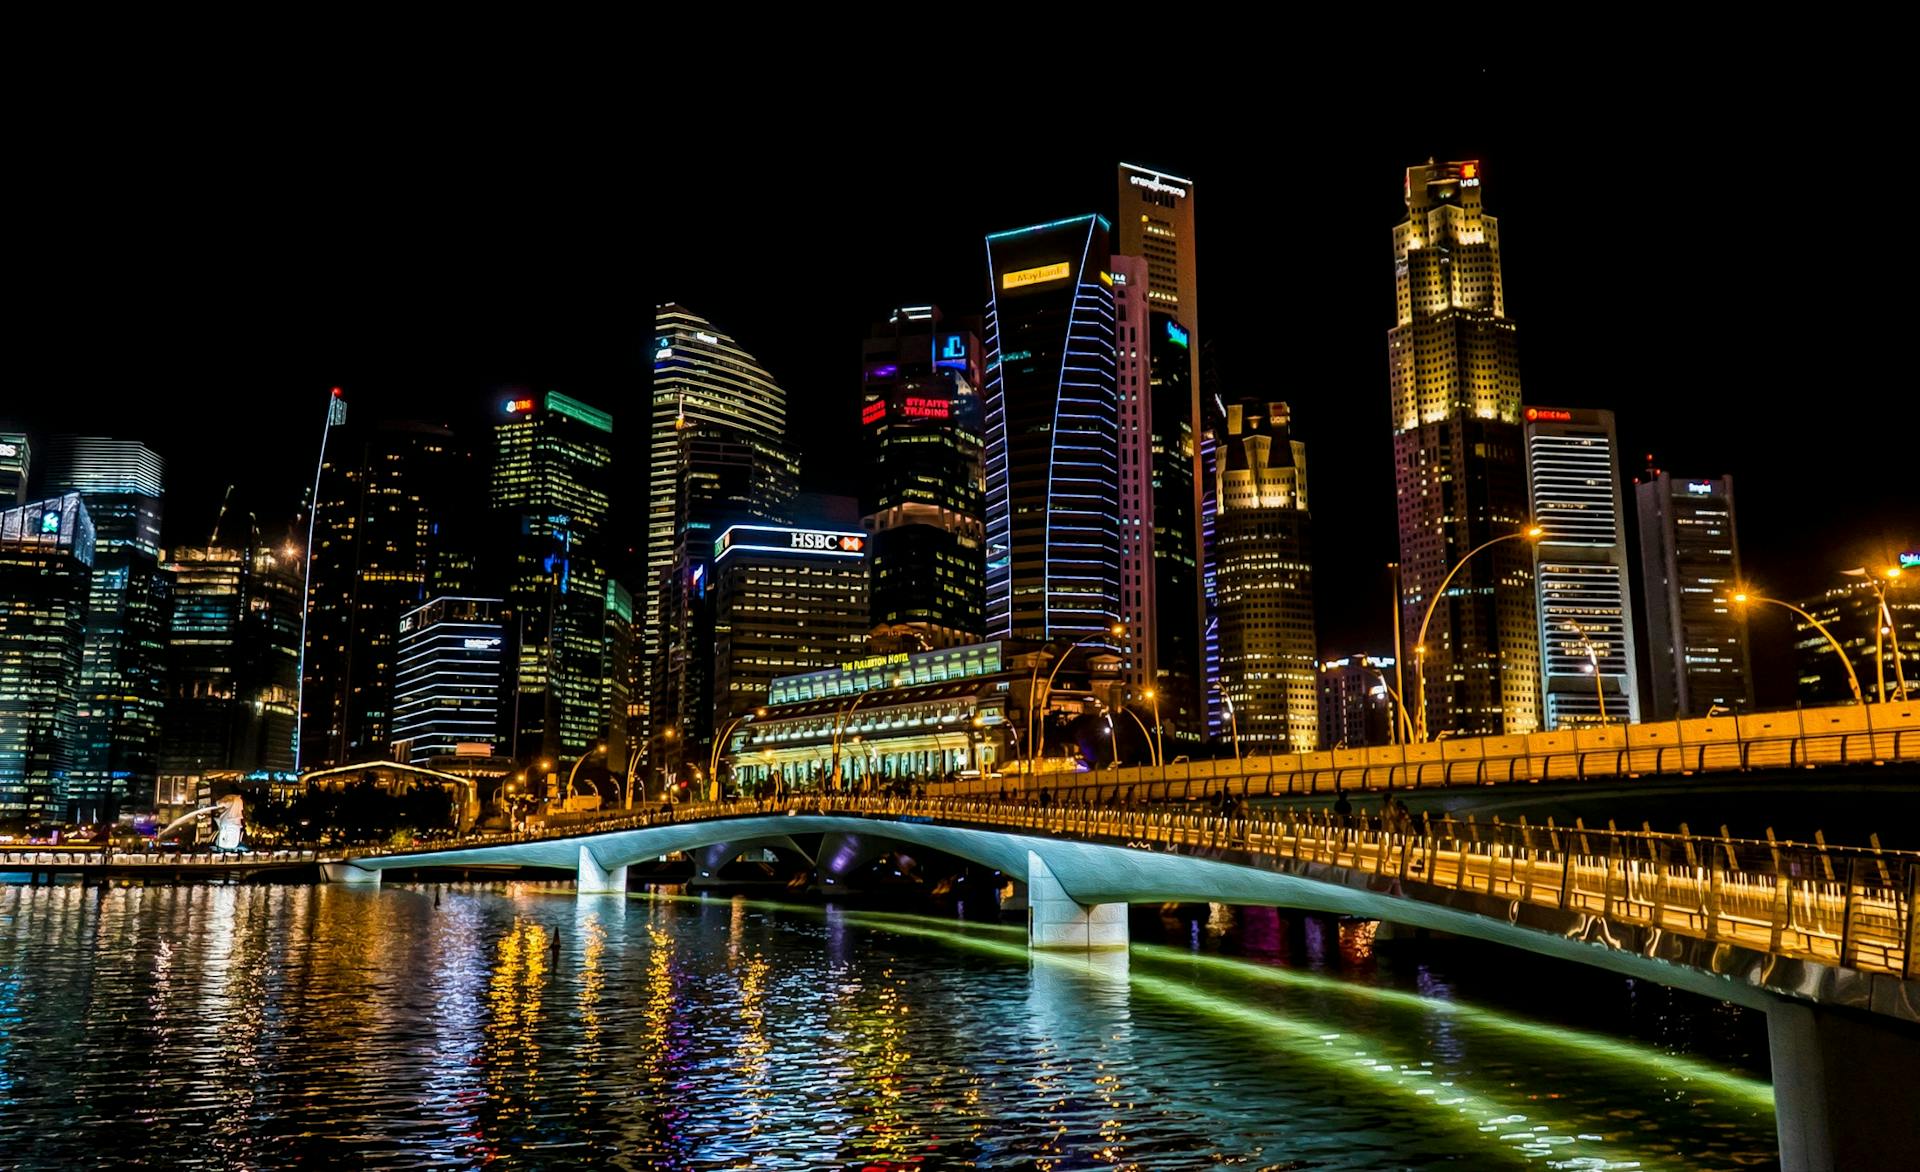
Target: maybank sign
1020, 278
831, 543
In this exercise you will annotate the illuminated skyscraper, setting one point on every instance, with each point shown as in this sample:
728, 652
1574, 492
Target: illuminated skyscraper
450, 681
1052, 418
390, 531
923, 491
16, 466
1269, 653
1883, 661
46, 575
1580, 565
1459, 464
550, 490
121, 671
1690, 568
1356, 702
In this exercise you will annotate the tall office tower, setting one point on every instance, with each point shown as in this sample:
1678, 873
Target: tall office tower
233, 655
1269, 655
16, 466
46, 576
1580, 568
1133, 354
1882, 659
616, 682
1156, 224
121, 671
1690, 569
1356, 703
450, 679
922, 496
1052, 417
1459, 466
394, 500
787, 600
551, 486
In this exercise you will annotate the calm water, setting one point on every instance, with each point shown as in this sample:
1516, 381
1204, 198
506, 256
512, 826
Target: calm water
250, 1027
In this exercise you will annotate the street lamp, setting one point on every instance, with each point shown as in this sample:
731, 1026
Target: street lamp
1153, 758
1159, 743
1401, 726
601, 748
1592, 649
1853, 681
1530, 533
633, 762
839, 725
1234, 723
1118, 630
719, 742
1883, 624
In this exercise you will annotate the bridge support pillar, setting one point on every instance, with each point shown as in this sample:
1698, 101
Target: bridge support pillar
597, 880
1842, 1087
349, 874
1056, 920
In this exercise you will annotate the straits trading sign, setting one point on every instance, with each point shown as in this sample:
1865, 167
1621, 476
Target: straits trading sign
829, 543
1021, 278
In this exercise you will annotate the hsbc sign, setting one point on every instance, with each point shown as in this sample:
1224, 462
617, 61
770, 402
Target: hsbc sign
768, 539
845, 542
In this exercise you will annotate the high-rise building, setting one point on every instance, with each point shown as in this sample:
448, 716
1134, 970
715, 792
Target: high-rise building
46, 576
1269, 654
1133, 355
617, 670
787, 600
718, 454
121, 670
1882, 659
1690, 569
1580, 568
233, 656
1156, 224
922, 495
1356, 703
551, 493
16, 466
1459, 463
1052, 415
449, 682
393, 527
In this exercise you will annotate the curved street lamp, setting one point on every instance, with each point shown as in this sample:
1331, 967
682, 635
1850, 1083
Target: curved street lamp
1883, 624
1153, 758
1235, 722
720, 742
1530, 533
1039, 739
1853, 681
575, 772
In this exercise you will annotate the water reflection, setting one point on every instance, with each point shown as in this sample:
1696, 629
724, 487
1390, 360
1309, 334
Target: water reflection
515, 1025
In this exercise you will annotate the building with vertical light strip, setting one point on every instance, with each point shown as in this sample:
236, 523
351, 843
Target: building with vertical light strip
1459, 464
1133, 354
450, 681
1697, 651
16, 467
1587, 658
46, 575
122, 687
1053, 482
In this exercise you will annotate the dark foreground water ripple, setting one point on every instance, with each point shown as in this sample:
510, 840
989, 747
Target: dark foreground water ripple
513, 1025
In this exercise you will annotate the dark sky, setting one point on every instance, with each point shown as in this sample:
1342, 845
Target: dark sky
1716, 257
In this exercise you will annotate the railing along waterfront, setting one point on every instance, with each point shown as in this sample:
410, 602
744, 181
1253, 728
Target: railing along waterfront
1847, 906
1803, 738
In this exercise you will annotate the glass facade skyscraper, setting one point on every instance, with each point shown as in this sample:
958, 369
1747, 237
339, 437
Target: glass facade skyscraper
1459, 463
122, 667
16, 467
1052, 415
448, 686
1580, 568
46, 576
1697, 651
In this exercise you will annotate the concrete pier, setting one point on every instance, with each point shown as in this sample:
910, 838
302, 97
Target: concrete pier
1055, 920
1843, 1088
349, 874
597, 880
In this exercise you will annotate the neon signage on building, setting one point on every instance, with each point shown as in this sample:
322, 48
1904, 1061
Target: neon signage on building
769, 539
1020, 278
1549, 415
517, 406
873, 412
915, 408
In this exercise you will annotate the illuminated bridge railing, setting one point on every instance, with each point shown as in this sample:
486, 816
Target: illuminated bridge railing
1842, 906
1804, 738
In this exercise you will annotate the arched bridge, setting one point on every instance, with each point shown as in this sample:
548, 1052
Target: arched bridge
1824, 940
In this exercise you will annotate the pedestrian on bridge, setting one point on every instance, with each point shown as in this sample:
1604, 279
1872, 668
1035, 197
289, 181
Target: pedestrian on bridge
1342, 808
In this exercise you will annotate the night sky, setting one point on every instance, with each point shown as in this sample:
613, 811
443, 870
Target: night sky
1714, 258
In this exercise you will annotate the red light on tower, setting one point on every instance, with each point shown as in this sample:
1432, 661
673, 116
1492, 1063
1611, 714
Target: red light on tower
336, 392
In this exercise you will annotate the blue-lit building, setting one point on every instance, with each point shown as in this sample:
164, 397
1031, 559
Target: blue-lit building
1052, 418
449, 680
122, 668
46, 574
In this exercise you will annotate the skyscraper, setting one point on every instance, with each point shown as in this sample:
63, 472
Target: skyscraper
450, 680
1459, 464
121, 670
390, 526
1269, 653
1882, 661
922, 495
1356, 703
1690, 568
16, 466
1580, 565
1133, 387
551, 492
1052, 415
46, 575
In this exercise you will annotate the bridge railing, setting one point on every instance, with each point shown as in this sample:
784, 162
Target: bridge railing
1811, 737
1846, 906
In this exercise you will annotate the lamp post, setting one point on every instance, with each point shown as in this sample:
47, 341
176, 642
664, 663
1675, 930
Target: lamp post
1530, 533
575, 772
1159, 742
1401, 726
1234, 722
1039, 739
1592, 650
1853, 681
1153, 758
839, 724
1883, 624
719, 742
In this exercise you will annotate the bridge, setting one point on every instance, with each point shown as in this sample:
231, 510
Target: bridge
1822, 939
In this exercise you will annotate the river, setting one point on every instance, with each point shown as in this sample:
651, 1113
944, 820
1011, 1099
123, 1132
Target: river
513, 1025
